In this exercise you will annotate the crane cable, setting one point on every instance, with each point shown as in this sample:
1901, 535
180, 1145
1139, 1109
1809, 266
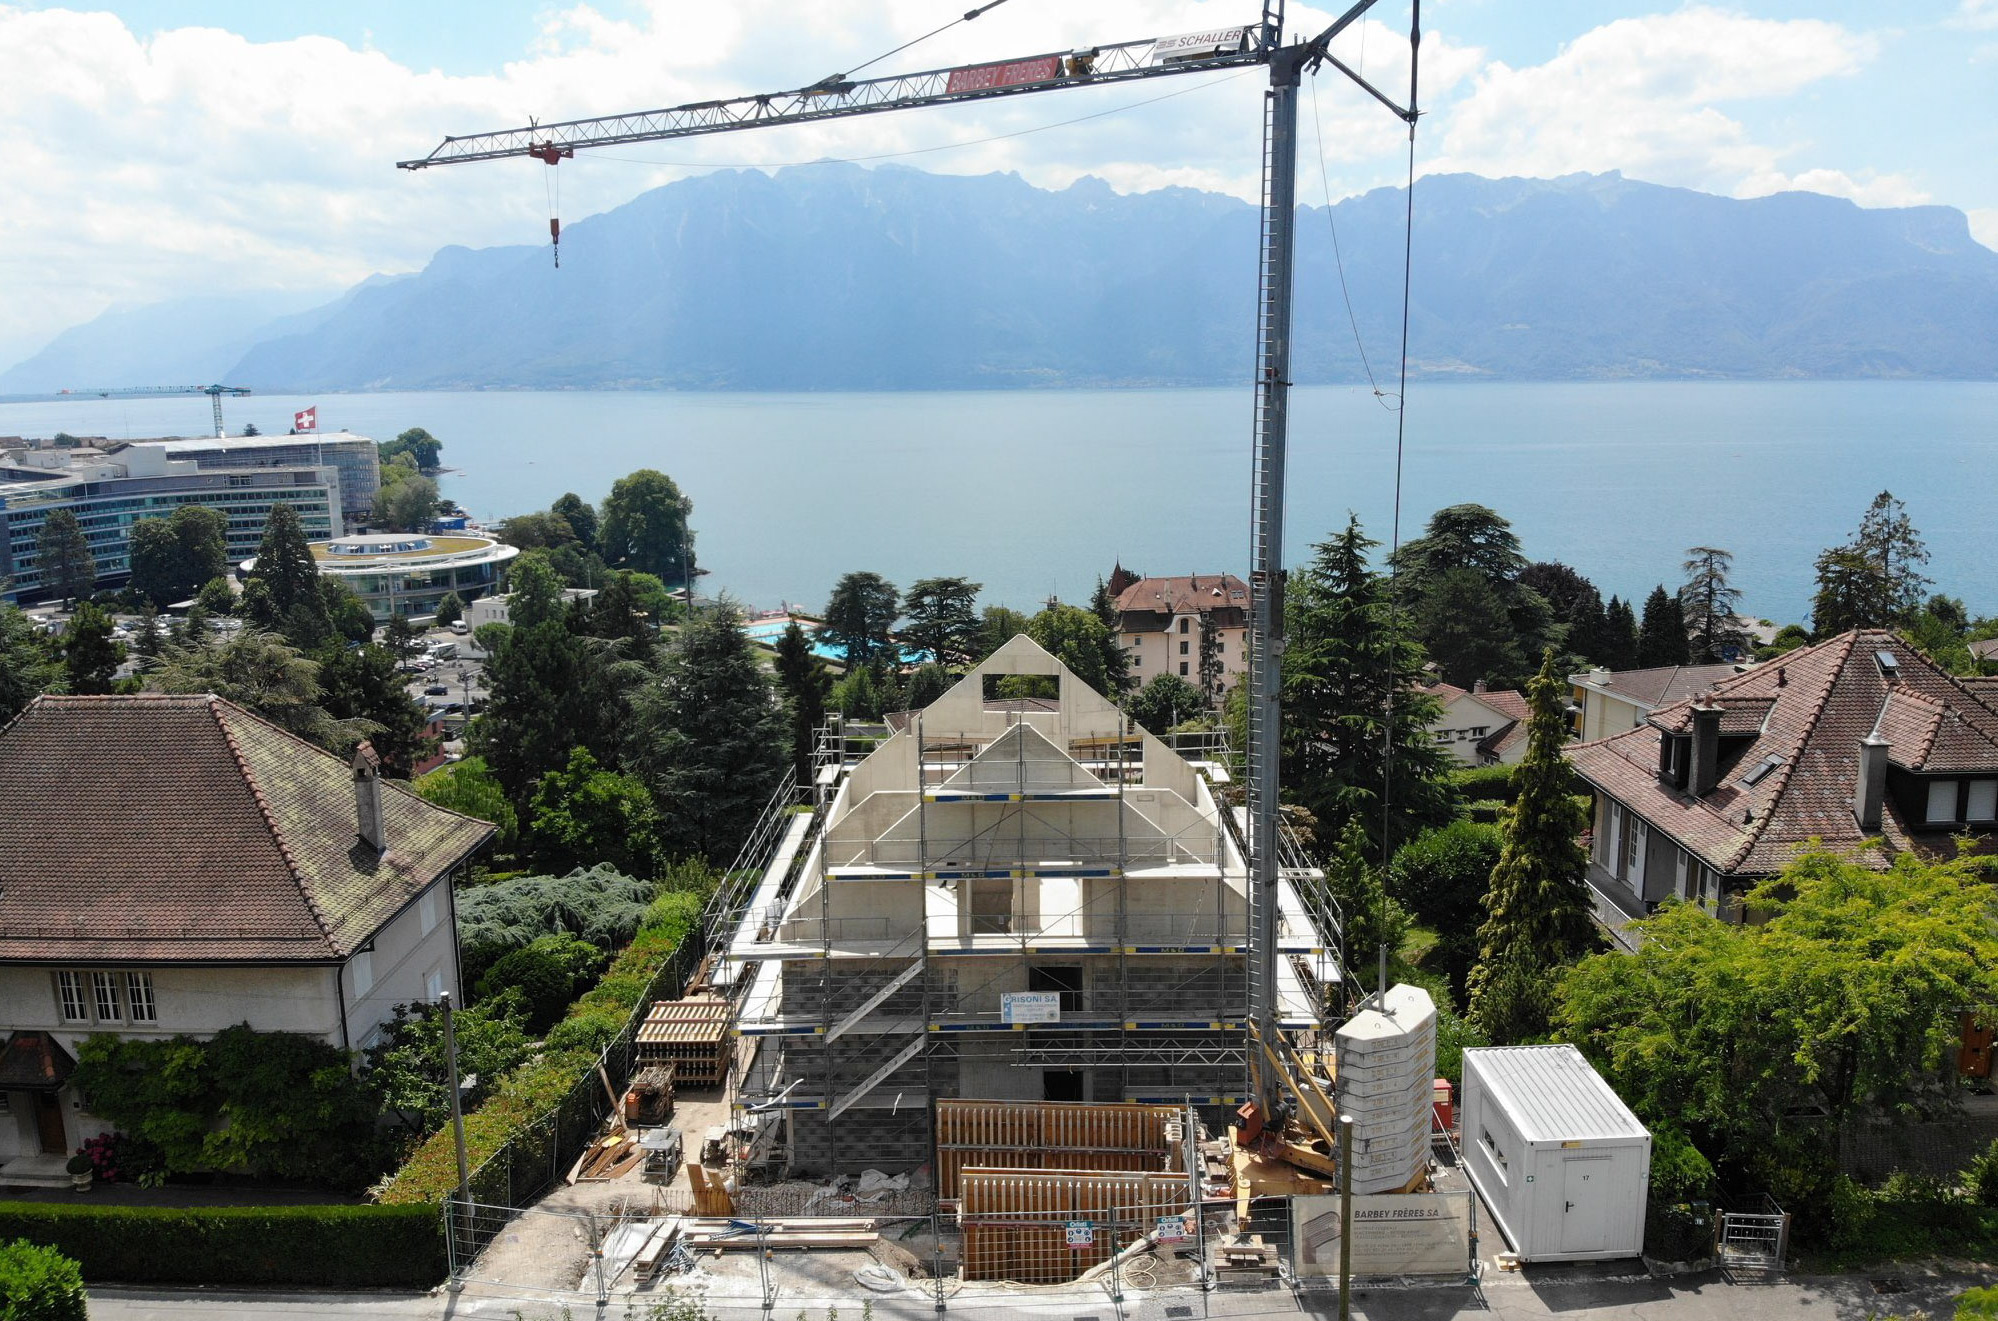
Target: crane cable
968, 16
1400, 443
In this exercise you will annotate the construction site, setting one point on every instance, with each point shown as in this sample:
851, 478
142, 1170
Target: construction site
981, 1016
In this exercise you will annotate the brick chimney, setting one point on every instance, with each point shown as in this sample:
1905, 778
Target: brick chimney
1705, 771
1869, 788
368, 797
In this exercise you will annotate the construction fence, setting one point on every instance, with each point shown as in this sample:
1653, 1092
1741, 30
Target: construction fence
536, 1158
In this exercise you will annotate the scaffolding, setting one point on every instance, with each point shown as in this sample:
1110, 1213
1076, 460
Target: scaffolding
1007, 899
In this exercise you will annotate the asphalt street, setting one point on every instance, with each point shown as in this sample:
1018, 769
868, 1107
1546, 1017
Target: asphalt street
1697, 1297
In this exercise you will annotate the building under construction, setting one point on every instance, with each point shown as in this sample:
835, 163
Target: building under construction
1019, 896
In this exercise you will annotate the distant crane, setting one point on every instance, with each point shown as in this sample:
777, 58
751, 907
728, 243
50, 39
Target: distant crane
214, 393
839, 96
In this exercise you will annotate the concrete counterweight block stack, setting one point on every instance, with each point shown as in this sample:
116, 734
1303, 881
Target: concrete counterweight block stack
1387, 1063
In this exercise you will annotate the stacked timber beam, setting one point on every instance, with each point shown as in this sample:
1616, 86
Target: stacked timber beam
1021, 1225
691, 1034
1057, 1135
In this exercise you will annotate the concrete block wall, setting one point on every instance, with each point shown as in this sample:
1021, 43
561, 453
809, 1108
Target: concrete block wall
815, 987
1193, 988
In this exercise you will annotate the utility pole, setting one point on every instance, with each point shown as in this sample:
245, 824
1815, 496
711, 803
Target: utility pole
463, 1198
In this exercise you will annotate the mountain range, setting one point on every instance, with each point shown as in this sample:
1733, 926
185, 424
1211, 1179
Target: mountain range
834, 276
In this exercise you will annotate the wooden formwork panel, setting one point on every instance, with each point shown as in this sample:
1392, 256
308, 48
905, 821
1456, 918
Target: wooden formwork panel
1015, 1222
692, 1035
1055, 1135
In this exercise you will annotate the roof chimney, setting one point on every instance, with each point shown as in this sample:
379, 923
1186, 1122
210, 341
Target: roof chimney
1705, 771
368, 797
1478, 686
1870, 788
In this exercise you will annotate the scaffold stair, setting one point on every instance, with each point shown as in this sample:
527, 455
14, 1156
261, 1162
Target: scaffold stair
873, 1002
876, 1078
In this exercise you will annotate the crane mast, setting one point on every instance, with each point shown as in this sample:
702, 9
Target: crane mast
1259, 43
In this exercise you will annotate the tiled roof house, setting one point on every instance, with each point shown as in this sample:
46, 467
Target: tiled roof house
1480, 726
1158, 622
1856, 738
174, 864
1610, 701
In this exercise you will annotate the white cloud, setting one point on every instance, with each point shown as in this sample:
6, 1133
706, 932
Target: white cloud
1642, 95
1977, 15
195, 159
1984, 226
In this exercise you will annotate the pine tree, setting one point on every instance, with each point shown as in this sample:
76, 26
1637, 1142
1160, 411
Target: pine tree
1710, 602
805, 682
943, 620
710, 741
1539, 916
282, 594
859, 614
1371, 918
1872, 581
91, 655
63, 558
1661, 640
1348, 663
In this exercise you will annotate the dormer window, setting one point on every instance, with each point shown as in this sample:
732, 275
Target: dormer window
1942, 802
1983, 801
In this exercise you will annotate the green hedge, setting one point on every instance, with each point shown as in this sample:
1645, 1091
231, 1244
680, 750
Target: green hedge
39, 1284
532, 1090
327, 1247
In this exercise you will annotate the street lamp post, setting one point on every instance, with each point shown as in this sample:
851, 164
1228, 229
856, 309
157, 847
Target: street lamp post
463, 1197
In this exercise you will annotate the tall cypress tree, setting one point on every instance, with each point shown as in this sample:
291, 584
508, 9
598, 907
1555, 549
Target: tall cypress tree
1620, 639
1539, 915
1348, 663
805, 682
1661, 638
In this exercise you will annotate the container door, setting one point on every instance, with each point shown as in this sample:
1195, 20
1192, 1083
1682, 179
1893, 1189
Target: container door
1585, 1212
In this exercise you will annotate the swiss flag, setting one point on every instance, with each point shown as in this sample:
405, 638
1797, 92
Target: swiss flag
307, 420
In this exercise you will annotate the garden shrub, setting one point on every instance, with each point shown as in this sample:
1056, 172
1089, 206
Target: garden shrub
602, 905
330, 1247
1977, 1305
529, 1092
1485, 782
283, 1104
1980, 1177
39, 1284
548, 973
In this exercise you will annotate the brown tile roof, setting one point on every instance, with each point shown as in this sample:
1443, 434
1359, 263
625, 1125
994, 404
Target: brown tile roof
1507, 702
156, 828
1221, 592
1812, 707
34, 1062
1662, 684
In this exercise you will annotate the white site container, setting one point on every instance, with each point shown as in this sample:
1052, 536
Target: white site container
1386, 1064
1559, 1159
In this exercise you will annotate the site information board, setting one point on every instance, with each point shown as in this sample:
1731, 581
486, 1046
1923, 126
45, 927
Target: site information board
1393, 1234
1030, 1006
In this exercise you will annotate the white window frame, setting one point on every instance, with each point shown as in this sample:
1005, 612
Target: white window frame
141, 1004
105, 1002
72, 993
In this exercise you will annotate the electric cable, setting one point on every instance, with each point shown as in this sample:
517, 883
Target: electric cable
1338, 258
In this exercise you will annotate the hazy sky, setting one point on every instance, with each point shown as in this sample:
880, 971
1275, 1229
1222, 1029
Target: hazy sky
166, 147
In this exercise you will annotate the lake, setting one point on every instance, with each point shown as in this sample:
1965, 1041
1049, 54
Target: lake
1035, 494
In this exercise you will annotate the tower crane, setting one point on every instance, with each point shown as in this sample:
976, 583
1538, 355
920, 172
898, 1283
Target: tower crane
839, 96
214, 393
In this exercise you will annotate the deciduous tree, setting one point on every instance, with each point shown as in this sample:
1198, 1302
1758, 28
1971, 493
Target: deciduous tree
259, 672
585, 814
644, 527
1076, 638
1164, 701
28, 665
423, 449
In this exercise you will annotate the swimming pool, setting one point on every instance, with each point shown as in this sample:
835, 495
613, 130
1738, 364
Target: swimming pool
765, 632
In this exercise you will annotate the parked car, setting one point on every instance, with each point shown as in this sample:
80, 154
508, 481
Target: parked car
436, 690
460, 627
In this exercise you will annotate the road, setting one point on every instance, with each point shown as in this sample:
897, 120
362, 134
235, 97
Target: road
1698, 1297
